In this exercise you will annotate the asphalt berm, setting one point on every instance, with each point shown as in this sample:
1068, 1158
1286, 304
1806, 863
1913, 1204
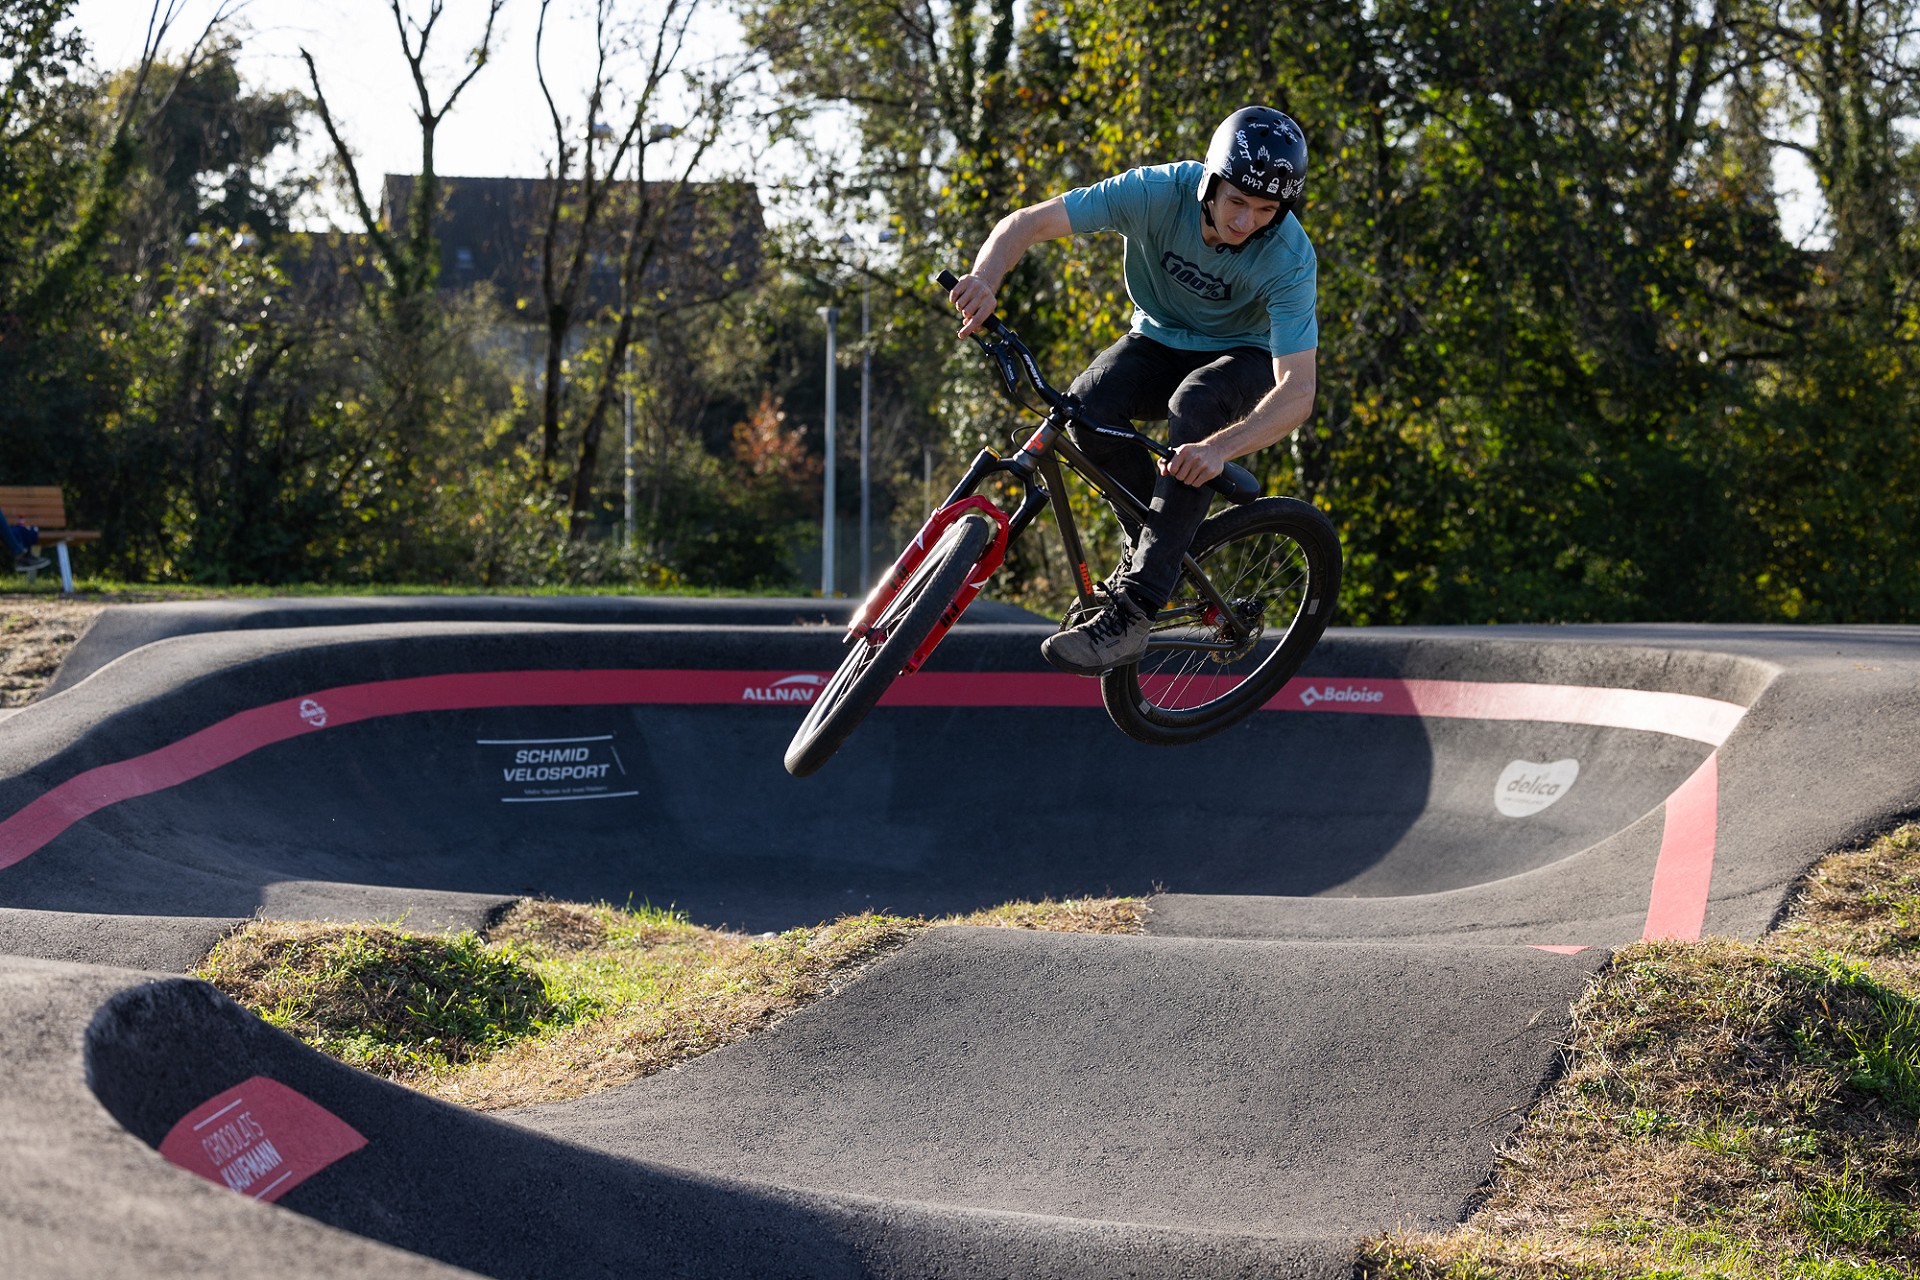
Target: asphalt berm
1371, 906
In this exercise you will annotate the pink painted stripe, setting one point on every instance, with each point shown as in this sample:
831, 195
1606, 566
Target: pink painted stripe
32, 827
1684, 873
1682, 715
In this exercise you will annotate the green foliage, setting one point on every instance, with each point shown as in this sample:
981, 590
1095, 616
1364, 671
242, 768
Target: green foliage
1846, 1211
1570, 367
1867, 1030
57, 165
391, 1001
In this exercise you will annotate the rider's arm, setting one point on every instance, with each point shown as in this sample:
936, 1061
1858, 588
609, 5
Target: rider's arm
1012, 236
1281, 410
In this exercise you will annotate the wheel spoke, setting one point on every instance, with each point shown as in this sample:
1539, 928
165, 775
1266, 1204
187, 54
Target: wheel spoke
871, 665
1262, 578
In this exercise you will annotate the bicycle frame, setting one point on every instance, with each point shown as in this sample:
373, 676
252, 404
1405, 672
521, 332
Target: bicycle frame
1037, 468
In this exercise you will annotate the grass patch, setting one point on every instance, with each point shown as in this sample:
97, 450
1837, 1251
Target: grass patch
395, 1003
1725, 1110
560, 1000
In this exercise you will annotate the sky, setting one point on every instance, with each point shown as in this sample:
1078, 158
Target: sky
499, 128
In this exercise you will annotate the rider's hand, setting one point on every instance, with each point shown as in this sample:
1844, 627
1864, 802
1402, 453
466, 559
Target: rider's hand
1195, 464
975, 299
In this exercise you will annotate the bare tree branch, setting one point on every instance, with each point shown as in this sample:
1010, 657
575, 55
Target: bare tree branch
344, 155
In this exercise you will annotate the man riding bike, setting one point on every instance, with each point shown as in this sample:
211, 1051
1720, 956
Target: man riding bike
1222, 345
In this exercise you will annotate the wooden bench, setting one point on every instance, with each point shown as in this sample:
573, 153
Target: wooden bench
45, 507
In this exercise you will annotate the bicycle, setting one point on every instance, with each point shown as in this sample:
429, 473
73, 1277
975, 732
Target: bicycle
1257, 586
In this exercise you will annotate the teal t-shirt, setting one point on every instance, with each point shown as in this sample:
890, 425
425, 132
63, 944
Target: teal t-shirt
1187, 293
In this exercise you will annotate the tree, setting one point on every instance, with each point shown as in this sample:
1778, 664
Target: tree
70, 154
202, 163
677, 245
409, 256
1556, 308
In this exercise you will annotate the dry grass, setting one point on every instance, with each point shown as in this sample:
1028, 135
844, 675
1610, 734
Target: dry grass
1865, 903
35, 634
1074, 915
561, 1000
1726, 1110
670, 991
38, 627
396, 1003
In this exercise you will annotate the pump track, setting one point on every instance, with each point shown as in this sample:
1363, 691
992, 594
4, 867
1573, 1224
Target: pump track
1370, 908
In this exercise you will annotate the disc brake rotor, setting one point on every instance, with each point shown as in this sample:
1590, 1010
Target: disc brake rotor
1252, 616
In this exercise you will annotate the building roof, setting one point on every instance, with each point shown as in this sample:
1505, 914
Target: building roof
491, 231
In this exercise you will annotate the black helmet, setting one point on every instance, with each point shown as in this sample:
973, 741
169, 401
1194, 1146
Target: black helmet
1262, 152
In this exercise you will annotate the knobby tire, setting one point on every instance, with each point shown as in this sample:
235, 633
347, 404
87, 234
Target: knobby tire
1275, 559
871, 666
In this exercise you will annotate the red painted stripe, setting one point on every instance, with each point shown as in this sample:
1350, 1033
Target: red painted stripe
992, 689
1684, 873
32, 827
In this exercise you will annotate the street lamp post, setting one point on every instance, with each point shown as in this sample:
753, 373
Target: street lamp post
866, 371
866, 376
629, 517
832, 316
601, 131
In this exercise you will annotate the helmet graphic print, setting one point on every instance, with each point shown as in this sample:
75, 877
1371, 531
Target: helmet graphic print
1262, 152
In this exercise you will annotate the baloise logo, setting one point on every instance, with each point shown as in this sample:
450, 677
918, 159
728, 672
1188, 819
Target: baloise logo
1310, 696
1212, 288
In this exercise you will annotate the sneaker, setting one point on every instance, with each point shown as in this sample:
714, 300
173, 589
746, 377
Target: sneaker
1116, 636
27, 562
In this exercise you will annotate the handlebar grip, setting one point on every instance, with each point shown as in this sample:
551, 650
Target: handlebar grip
1235, 484
946, 280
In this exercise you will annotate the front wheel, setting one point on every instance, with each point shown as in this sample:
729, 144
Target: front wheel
874, 660
1275, 562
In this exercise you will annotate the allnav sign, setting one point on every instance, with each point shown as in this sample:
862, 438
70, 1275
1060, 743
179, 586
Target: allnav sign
799, 689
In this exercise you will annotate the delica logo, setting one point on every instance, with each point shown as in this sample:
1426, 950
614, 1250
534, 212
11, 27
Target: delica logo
789, 689
1311, 696
1525, 787
1212, 288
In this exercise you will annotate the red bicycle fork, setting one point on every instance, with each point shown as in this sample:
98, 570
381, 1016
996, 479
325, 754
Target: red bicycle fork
862, 628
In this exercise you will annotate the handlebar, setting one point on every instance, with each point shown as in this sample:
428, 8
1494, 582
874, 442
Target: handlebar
1012, 356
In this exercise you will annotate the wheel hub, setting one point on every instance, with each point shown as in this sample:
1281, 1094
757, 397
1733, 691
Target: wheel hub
1251, 614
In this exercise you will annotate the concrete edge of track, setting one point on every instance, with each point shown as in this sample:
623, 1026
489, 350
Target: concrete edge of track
122, 629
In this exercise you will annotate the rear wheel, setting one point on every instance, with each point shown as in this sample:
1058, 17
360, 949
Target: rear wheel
874, 660
1276, 564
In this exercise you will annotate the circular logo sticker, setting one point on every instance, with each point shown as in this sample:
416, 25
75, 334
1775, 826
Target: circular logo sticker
1525, 788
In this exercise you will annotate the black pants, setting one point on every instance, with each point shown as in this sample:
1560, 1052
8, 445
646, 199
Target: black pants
1197, 392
